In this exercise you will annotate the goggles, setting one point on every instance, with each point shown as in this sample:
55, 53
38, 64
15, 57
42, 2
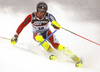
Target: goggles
41, 10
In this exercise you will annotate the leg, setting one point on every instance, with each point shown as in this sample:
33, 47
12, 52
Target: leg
39, 38
54, 42
61, 48
69, 53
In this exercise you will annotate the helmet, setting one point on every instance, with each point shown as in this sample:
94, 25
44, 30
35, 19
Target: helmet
42, 6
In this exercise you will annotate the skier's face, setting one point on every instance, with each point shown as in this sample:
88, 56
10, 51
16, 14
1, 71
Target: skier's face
41, 12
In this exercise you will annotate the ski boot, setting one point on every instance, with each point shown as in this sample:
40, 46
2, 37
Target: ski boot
71, 55
77, 60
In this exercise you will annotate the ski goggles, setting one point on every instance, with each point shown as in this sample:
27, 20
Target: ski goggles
41, 10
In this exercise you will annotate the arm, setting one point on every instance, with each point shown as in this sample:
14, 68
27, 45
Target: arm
26, 21
54, 22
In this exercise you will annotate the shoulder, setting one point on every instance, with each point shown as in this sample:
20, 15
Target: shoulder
51, 17
33, 14
49, 14
29, 16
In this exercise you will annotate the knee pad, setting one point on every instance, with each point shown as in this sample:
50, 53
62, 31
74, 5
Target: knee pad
35, 34
45, 45
39, 38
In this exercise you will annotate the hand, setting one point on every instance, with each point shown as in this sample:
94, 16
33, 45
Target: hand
14, 39
55, 26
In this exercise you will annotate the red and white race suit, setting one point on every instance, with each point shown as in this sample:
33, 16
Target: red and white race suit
40, 26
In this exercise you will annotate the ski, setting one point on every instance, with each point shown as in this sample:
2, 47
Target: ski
78, 64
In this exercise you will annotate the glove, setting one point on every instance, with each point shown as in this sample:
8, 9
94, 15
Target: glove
14, 39
55, 25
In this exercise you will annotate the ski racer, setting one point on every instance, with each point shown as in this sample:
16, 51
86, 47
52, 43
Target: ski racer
40, 24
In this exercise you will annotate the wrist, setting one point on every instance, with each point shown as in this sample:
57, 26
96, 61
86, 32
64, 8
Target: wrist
16, 36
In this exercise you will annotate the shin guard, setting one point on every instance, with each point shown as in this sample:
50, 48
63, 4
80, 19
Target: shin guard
45, 45
69, 53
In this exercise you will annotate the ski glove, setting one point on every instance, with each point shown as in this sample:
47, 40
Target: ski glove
14, 39
55, 25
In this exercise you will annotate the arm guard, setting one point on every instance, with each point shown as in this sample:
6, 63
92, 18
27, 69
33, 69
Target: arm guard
55, 25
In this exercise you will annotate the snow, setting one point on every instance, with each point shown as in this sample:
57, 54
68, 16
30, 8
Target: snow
27, 56
20, 59
15, 59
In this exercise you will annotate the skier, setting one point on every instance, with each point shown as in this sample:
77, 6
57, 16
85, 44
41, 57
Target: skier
40, 24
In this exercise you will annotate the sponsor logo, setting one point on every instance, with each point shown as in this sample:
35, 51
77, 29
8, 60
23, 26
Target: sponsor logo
40, 22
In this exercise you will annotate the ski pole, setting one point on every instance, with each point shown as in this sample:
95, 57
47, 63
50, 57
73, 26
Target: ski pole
47, 37
81, 36
5, 38
10, 39
40, 43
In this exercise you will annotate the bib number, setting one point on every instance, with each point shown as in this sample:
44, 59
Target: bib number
41, 28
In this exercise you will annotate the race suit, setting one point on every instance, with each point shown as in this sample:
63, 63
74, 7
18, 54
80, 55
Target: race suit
40, 26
